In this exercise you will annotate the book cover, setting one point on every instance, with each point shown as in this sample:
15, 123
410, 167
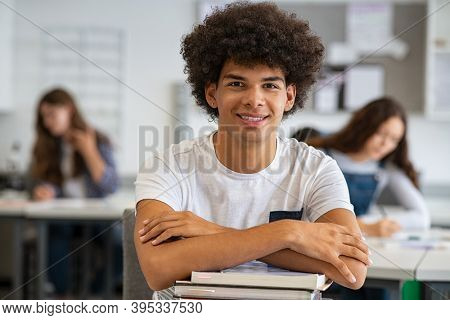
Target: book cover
189, 290
259, 274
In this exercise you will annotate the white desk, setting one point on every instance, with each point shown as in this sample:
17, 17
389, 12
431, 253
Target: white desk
77, 210
392, 262
439, 208
422, 256
435, 266
80, 210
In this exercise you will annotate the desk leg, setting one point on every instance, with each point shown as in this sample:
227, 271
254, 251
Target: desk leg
42, 241
109, 283
18, 252
86, 253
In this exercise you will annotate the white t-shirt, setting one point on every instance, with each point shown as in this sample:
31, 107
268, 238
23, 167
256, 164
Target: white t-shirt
300, 183
73, 187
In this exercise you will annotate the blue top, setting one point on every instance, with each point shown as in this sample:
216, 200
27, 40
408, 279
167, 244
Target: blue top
366, 180
108, 184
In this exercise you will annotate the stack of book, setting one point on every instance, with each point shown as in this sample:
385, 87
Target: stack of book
253, 280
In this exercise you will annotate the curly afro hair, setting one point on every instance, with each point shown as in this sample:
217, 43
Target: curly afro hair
251, 34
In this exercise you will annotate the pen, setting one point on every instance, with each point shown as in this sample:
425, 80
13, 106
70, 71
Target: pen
382, 211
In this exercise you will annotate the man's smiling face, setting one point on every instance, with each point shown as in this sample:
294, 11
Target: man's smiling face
250, 100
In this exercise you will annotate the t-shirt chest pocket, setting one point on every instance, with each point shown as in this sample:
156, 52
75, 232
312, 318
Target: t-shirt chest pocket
280, 215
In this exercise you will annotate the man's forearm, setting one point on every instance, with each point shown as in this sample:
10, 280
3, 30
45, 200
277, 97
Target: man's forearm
167, 262
291, 260
164, 264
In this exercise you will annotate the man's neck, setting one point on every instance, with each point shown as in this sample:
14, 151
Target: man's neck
242, 155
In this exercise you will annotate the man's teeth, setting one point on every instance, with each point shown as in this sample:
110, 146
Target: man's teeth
252, 118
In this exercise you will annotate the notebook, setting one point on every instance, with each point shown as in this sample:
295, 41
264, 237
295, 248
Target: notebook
259, 274
189, 290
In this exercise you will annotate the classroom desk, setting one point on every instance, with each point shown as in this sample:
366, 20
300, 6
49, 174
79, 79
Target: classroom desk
421, 256
439, 208
14, 211
434, 272
85, 211
392, 265
435, 266
392, 262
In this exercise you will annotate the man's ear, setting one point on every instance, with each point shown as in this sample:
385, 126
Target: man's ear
291, 92
210, 94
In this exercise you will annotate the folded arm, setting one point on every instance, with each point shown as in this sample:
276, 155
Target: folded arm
279, 242
167, 262
292, 260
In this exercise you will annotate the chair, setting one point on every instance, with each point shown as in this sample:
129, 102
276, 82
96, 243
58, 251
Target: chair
134, 284
305, 133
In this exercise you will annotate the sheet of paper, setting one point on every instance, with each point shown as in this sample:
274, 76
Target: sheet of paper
441, 84
369, 25
326, 96
363, 83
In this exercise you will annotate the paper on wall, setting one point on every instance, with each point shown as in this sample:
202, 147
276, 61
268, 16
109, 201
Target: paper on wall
369, 25
363, 83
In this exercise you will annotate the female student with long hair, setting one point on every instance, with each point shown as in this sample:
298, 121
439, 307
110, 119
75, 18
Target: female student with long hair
69, 160
372, 152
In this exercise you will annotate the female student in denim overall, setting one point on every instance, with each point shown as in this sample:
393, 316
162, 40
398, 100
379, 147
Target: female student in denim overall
372, 152
69, 160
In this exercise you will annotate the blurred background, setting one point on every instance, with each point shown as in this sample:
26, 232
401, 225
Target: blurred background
121, 61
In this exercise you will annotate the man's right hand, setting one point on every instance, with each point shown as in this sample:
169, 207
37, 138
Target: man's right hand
169, 224
326, 242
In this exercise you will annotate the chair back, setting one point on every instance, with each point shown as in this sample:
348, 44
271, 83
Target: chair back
134, 284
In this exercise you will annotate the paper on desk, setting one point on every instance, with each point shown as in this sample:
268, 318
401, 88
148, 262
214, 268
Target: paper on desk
422, 240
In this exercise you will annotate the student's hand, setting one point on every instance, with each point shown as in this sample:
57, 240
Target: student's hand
383, 228
82, 141
327, 242
177, 224
43, 192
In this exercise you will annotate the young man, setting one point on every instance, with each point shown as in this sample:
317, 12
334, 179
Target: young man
206, 204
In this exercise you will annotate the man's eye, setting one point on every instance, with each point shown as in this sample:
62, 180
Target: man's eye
270, 86
236, 84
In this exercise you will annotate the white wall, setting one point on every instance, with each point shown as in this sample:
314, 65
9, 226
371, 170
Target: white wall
152, 63
153, 30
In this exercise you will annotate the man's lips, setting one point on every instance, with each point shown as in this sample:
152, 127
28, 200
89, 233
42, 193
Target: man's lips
252, 120
252, 117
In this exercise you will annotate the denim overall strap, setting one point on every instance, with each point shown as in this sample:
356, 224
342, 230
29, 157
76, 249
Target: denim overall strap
362, 189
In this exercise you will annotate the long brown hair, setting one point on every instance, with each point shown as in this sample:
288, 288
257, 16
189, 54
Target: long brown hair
363, 124
47, 150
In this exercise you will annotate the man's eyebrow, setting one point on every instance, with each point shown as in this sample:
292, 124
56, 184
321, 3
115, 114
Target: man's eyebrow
233, 76
237, 77
275, 78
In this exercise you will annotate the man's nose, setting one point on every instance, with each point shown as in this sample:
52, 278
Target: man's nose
254, 97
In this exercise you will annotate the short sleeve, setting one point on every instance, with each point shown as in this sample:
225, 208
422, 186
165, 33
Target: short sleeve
328, 191
157, 180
